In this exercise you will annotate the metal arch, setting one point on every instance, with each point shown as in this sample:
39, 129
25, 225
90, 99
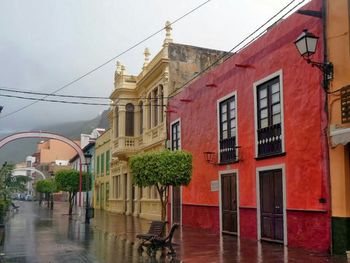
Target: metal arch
30, 169
41, 134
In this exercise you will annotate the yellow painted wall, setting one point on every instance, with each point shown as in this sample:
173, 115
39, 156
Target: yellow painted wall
102, 146
339, 54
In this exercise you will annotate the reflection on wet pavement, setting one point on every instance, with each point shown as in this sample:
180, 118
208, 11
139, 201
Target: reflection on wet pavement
35, 234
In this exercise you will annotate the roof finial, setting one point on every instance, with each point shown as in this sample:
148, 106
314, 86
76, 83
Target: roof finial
168, 29
147, 54
118, 67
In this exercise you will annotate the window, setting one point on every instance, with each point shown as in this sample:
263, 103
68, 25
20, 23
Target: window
107, 194
129, 120
98, 165
149, 111
116, 124
175, 136
141, 117
228, 130
102, 164
269, 133
108, 162
155, 107
116, 186
161, 104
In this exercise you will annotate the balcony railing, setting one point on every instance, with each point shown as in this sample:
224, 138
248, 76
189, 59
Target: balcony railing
228, 150
270, 140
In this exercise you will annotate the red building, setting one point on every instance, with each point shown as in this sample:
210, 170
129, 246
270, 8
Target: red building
261, 116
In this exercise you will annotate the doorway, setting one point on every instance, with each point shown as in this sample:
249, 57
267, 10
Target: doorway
271, 205
229, 203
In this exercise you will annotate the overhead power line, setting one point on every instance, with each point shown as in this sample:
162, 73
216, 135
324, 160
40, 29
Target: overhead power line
74, 102
229, 53
106, 62
70, 96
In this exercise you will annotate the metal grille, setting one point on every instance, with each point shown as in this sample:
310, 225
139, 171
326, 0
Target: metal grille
228, 150
345, 104
269, 140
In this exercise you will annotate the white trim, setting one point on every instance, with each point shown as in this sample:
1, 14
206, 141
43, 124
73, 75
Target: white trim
279, 74
171, 133
234, 171
171, 146
284, 194
232, 94
171, 212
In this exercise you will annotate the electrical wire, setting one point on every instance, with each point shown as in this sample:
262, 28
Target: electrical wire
108, 61
76, 102
69, 96
229, 53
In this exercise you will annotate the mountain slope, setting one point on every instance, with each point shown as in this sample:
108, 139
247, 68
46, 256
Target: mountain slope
18, 150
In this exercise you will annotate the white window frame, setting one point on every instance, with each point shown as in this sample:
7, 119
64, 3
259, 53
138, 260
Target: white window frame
232, 94
284, 194
178, 120
171, 133
279, 74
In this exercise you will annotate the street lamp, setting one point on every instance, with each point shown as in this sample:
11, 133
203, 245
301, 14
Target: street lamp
306, 44
88, 209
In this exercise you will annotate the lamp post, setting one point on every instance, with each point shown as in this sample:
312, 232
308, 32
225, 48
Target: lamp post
87, 184
306, 44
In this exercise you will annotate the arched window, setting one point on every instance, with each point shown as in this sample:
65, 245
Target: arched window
129, 120
161, 103
155, 107
141, 117
149, 111
116, 122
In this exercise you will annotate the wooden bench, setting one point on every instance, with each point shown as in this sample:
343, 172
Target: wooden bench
155, 230
14, 207
155, 242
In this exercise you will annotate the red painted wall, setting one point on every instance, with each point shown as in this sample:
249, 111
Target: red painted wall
304, 129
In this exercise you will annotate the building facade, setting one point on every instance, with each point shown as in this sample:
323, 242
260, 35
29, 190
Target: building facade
339, 93
138, 118
256, 126
102, 160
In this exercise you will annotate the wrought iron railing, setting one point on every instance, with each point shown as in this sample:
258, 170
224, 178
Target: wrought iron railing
270, 140
228, 150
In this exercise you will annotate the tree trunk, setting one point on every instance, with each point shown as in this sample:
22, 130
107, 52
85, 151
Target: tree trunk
51, 206
163, 196
48, 199
70, 203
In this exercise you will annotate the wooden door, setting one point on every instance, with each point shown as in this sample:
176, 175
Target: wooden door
271, 205
176, 205
229, 203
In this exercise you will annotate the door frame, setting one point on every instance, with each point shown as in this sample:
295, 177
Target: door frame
172, 204
234, 171
267, 168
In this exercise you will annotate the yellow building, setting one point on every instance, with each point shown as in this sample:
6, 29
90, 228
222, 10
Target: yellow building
102, 176
339, 119
138, 119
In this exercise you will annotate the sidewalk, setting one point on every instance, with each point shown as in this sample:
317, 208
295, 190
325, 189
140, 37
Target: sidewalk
195, 245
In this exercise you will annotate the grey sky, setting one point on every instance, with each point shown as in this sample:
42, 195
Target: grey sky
46, 44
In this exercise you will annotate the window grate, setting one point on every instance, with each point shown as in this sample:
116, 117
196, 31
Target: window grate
345, 104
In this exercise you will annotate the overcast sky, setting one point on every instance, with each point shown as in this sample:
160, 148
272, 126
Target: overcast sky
45, 44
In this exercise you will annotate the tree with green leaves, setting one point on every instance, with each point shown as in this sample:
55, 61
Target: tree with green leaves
47, 187
10, 184
162, 169
68, 181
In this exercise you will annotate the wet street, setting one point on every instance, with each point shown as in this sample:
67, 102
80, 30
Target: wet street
36, 234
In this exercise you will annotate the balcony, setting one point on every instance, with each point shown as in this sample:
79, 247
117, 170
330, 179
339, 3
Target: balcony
124, 147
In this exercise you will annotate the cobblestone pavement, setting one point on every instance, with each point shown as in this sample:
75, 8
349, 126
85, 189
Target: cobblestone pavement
35, 234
